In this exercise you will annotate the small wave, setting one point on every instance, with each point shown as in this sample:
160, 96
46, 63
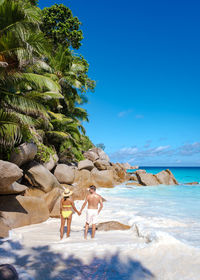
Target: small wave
154, 236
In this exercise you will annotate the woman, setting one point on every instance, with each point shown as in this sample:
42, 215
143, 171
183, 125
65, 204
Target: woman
66, 206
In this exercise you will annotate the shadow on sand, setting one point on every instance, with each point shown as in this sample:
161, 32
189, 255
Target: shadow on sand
44, 264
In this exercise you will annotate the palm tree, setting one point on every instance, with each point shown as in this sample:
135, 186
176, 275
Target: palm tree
21, 91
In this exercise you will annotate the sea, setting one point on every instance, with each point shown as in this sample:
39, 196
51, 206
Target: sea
174, 210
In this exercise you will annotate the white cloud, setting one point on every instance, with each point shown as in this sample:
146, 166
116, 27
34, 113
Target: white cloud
157, 154
124, 113
127, 153
139, 116
189, 149
161, 148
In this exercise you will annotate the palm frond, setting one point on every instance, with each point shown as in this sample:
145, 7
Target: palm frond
10, 132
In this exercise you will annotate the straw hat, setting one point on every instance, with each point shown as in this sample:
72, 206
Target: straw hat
67, 192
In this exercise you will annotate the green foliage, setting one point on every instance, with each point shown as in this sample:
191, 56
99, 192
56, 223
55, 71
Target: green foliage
61, 27
70, 153
43, 84
86, 143
44, 152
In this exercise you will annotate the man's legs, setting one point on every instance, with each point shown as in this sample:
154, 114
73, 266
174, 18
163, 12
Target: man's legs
86, 230
93, 230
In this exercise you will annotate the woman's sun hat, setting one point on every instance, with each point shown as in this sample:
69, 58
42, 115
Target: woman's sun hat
67, 192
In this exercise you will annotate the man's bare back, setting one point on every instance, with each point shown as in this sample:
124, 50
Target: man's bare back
93, 200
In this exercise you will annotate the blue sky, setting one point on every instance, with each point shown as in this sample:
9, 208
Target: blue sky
145, 58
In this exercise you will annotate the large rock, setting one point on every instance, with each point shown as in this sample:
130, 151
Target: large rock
133, 178
18, 211
135, 167
166, 177
79, 193
8, 272
65, 174
24, 153
9, 173
41, 177
103, 155
14, 188
33, 191
101, 164
51, 163
83, 178
4, 229
104, 178
55, 212
51, 198
191, 183
133, 184
112, 225
120, 174
147, 179
95, 154
140, 171
85, 164
91, 155
126, 165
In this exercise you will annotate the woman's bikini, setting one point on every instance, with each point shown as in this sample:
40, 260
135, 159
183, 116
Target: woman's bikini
66, 213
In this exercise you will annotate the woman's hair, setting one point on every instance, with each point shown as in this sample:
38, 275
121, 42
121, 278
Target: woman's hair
65, 197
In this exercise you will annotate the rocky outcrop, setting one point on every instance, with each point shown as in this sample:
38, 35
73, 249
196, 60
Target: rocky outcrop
147, 179
85, 164
191, 183
120, 174
133, 177
104, 178
96, 153
101, 164
102, 155
51, 163
24, 153
8, 272
51, 198
140, 171
41, 177
83, 178
91, 155
133, 184
14, 188
127, 165
112, 225
4, 229
17, 211
166, 177
9, 173
65, 174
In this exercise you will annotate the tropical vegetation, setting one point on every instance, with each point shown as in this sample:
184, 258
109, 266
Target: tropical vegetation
43, 82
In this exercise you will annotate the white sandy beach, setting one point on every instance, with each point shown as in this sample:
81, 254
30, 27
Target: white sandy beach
37, 252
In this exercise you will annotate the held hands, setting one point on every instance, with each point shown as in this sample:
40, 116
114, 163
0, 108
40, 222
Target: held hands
79, 213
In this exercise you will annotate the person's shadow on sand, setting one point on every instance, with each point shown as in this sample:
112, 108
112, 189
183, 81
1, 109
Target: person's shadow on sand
44, 264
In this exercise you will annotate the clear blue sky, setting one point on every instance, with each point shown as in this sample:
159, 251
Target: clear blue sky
145, 57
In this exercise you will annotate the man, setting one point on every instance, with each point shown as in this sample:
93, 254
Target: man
93, 200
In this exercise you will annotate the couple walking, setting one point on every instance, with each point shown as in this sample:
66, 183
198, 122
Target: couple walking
67, 206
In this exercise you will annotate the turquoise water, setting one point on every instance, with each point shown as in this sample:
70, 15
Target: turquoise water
174, 210
182, 174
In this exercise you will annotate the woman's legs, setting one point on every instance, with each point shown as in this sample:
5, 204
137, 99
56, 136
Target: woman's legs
69, 220
62, 227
